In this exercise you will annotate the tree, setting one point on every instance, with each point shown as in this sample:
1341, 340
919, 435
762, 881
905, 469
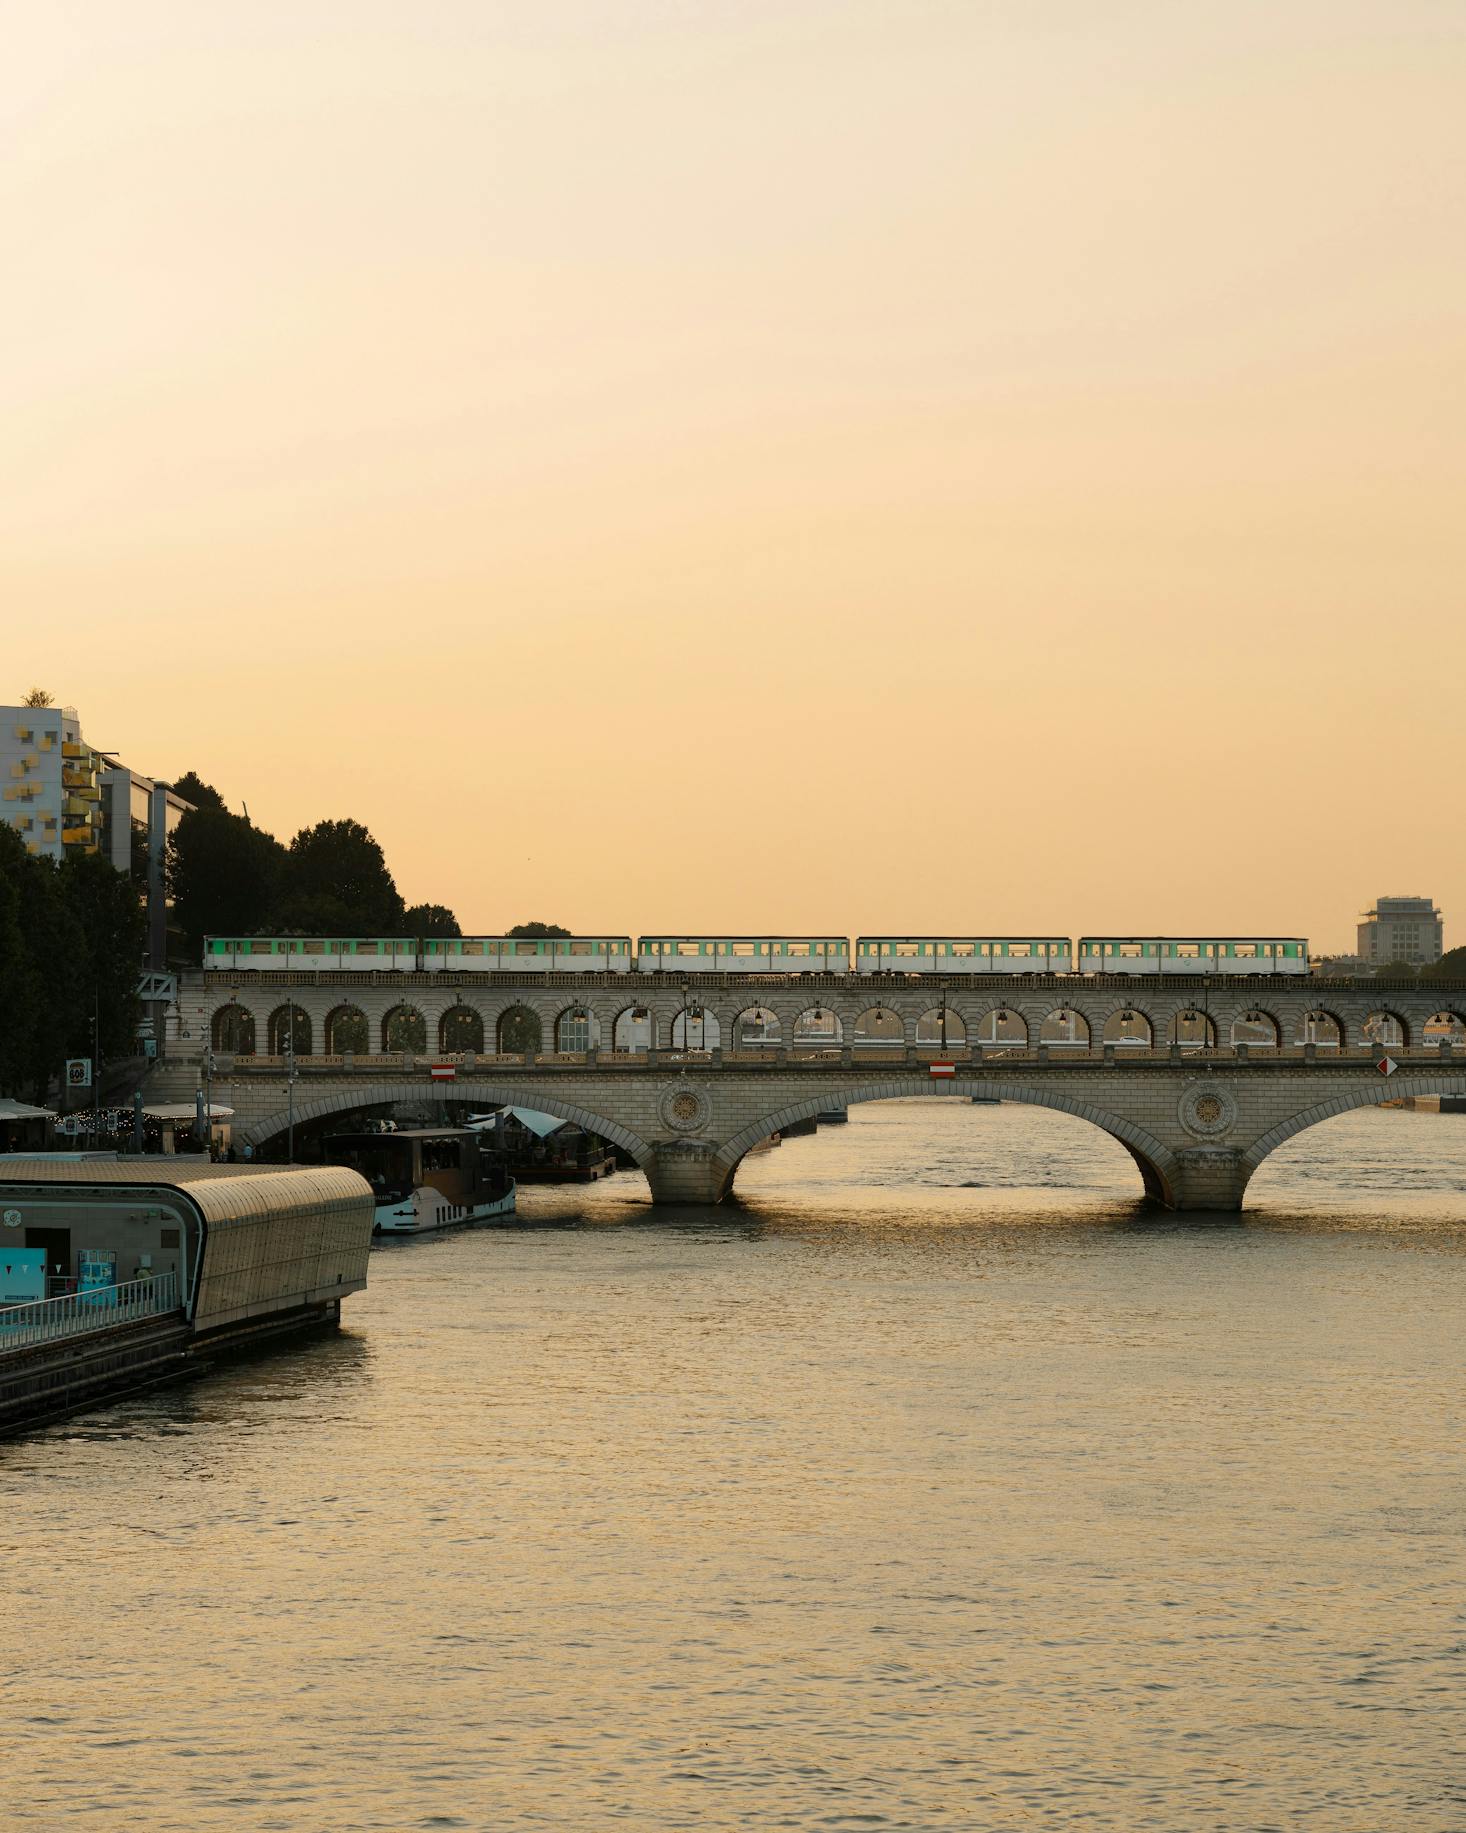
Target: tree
1451, 966
114, 931
538, 929
37, 697
20, 982
192, 787
429, 920
337, 883
224, 875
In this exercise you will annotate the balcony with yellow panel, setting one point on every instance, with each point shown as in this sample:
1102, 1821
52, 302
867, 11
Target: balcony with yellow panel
76, 836
70, 748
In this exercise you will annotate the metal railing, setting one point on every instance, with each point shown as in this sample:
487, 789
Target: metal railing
94, 1308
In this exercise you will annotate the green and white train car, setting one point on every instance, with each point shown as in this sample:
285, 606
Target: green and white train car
963, 955
527, 954
309, 954
743, 954
1222, 955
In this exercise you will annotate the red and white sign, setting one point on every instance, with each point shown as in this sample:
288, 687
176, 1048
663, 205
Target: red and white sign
1387, 1066
444, 1072
942, 1069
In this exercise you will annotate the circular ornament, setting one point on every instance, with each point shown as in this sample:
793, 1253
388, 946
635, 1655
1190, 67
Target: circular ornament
683, 1107
1207, 1110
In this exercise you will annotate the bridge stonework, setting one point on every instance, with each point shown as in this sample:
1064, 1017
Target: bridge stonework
1197, 1124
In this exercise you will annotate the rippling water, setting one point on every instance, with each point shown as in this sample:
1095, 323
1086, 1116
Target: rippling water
935, 1484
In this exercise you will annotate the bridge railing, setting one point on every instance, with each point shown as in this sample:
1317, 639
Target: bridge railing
94, 1308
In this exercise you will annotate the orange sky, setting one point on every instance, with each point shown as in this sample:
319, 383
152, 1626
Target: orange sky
899, 465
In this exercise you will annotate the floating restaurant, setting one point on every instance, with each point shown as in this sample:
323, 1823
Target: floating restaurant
119, 1273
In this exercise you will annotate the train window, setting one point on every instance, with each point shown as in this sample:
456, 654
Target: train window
312, 947
1246, 950
964, 948
581, 948
689, 948
799, 948
261, 948
364, 948
1129, 951
1189, 951
1020, 948
475, 947
526, 948
743, 948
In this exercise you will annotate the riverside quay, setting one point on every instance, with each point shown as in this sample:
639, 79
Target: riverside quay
1199, 1079
119, 1273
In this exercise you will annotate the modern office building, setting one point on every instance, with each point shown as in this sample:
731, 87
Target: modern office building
1403, 929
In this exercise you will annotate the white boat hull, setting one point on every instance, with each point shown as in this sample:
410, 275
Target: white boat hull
428, 1212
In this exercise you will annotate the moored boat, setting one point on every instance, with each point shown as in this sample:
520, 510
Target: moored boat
426, 1178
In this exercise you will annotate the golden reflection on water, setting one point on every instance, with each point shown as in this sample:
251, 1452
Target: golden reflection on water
936, 1483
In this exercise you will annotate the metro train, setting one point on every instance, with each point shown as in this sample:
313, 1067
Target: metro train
783, 955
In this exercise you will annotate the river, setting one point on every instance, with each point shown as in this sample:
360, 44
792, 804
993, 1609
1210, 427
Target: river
935, 1483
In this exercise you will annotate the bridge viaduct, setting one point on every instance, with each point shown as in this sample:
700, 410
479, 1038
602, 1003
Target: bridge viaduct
1198, 1080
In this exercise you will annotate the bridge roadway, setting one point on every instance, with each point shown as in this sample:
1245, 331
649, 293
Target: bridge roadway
1197, 1122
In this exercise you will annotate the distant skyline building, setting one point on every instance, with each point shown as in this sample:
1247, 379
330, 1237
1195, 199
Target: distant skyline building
1404, 929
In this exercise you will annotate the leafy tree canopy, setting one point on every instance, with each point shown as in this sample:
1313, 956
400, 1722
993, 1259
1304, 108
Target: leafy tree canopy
72, 939
37, 697
1451, 966
336, 869
224, 875
427, 920
192, 787
538, 929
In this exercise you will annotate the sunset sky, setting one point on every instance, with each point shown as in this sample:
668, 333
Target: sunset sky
899, 465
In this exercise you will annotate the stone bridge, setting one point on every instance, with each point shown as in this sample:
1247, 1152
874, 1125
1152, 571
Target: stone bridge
1199, 1081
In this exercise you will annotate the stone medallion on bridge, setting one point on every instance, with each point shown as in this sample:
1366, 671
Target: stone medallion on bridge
1207, 1111
683, 1107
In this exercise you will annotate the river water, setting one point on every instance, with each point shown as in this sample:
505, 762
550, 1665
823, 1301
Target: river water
934, 1484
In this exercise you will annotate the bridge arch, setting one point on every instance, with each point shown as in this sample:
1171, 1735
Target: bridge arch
1129, 1027
756, 1028
1001, 1025
1257, 1029
633, 1028
460, 1029
1155, 1161
347, 1030
817, 1028
290, 1029
404, 1029
941, 1028
1321, 1028
518, 1030
879, 1027
1386, 1029
1065, 1028
696, 1027
1445, 1083
476, 1091
1192, 1029
1444, 1027
577, 1028
233, 1030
